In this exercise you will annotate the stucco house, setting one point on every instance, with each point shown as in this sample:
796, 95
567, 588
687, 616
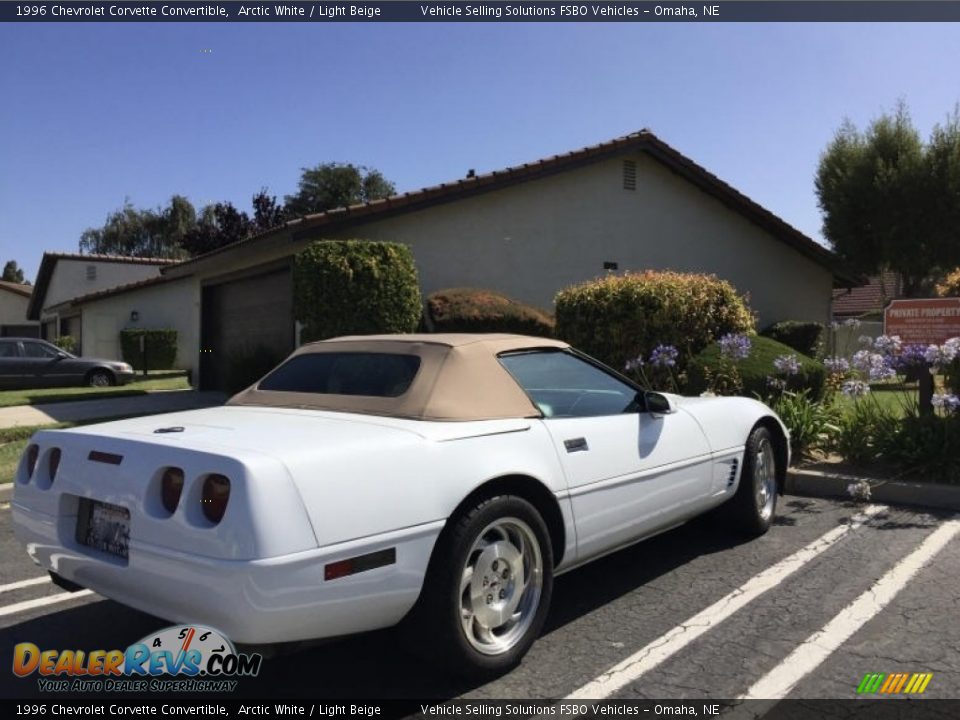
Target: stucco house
14, 298
62, 277
632, 203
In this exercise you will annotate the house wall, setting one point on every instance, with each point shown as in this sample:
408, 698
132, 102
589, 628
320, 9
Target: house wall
173, 305
13, 308
69, 278
535, 238
531, 239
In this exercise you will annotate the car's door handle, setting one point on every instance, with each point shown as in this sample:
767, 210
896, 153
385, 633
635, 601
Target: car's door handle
576, 445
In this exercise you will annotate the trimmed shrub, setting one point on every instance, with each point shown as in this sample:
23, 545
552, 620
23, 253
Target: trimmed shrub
804, 337
67, 343
755, 370
472, 310
160, 345
355, 287
617, 317
950, 285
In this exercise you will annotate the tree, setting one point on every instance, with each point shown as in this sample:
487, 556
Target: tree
132, 232
891, 202
13, 273
336, 185
222, 224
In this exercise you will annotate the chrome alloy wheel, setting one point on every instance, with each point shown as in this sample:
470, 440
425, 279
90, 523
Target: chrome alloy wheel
501, 585
765, 478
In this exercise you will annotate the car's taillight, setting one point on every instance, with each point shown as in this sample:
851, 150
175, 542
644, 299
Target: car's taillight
33, 452
171, 485
53, 463
216, 493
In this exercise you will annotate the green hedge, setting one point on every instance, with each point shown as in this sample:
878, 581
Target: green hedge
355, 287
804, 337
617, 317
161, 348
67, 343
472, 310
755, 370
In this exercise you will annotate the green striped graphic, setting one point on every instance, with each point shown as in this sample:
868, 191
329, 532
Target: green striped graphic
871, 683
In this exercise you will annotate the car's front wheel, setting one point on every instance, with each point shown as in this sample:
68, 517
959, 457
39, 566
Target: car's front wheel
753, 506
488, 589
100, 378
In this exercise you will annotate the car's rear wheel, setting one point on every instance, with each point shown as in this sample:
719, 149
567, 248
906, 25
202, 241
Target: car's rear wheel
754, 505
488, 588
99, 378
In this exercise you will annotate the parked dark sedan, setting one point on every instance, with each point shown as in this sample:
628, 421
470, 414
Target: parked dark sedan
31, 363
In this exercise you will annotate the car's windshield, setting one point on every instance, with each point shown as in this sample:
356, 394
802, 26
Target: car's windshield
345, 373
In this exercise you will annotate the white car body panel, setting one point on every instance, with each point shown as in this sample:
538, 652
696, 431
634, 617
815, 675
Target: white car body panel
313, 487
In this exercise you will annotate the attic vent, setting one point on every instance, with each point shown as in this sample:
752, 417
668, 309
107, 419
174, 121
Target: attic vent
629, 174
732, 478
91, 272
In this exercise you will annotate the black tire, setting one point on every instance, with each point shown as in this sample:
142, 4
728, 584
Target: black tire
451, 624
753, 507
100, 378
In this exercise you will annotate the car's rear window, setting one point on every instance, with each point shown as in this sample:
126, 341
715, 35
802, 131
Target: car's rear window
345, 373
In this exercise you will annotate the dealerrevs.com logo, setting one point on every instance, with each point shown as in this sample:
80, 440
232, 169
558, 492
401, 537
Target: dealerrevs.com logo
188, 658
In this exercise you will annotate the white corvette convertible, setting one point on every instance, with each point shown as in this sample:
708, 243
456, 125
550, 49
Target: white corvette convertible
438, 481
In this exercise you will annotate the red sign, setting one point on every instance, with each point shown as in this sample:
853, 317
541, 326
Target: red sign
929, 321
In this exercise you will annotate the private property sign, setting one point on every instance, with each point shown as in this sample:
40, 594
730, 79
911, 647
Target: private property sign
929, 321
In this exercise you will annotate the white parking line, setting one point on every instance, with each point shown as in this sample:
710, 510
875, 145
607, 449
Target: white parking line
816, 648
24, 583
42, 602
671, 642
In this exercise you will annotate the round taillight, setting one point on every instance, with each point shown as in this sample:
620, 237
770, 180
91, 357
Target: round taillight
216, 493
54, 463
171, 485
33, 452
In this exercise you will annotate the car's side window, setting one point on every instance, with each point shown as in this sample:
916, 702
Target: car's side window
8, 350
564, 385
38, 350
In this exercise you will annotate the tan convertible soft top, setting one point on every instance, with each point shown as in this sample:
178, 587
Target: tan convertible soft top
459, 378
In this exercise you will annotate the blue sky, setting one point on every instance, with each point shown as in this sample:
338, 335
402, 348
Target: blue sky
92, 114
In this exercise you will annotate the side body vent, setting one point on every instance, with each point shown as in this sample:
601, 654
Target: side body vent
629, 174
732, 477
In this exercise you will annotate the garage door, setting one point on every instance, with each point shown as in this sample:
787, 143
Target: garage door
247, 327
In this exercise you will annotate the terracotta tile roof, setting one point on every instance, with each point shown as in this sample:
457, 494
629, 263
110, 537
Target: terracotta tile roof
642, 141
869, 298
18, 288
49, 262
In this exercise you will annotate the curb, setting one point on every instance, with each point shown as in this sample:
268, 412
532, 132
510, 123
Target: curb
815, 483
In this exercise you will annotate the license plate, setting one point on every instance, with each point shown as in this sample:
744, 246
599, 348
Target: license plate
104, 527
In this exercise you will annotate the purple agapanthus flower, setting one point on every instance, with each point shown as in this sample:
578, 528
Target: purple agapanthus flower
948, 402
634, 364
940, 355
787, 364
735, 346
911, 356
855, 388
664, 356
837, 365
888, 344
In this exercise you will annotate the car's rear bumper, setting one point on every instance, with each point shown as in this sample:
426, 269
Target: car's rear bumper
275, 599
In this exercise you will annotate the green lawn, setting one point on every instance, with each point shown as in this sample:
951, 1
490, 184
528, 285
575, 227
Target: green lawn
160, 381
888, 398
10, 458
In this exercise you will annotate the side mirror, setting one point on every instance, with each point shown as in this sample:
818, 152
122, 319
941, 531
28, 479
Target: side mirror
62, 355
658, 403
